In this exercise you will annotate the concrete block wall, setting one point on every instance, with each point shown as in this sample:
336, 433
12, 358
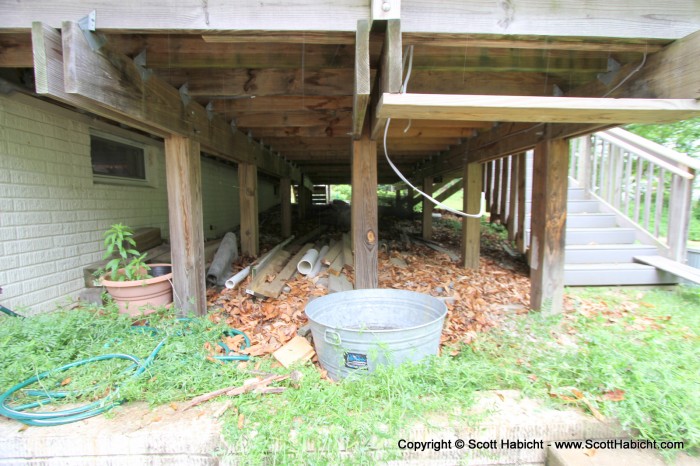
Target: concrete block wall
53, 214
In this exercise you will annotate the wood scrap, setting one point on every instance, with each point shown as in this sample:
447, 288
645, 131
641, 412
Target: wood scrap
261, 263
338, 283
337, 265
272, 267
436, 247
332, 253
348, 259
274, 288
248, 386
297, 350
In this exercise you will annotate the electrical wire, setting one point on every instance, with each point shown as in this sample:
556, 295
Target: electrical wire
404, 86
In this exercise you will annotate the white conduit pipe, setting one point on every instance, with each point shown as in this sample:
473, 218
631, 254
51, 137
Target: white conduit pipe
236, 280
308, 261
317, 266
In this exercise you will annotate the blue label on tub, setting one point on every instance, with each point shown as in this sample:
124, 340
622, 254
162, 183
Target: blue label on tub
356, 361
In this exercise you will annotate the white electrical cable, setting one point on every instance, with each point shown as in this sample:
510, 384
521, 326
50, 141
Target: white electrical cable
482, 210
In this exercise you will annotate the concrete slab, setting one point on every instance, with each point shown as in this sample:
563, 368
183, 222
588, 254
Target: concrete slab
618, 457
135, 434
131, 434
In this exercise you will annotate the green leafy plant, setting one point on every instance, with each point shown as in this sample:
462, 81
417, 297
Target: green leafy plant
129, 265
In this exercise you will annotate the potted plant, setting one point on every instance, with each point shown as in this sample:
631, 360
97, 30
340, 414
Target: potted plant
127, 277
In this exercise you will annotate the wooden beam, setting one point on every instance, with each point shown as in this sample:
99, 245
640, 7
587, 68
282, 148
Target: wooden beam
390, 72
471, 227
548, 224
282, 103
427, 208
248, 192
150, 100
566, 18
536, 109
362, 88
16, 51
364, 211
475, 41
286, 207
497, 200
50, 81
184, 180
281, 37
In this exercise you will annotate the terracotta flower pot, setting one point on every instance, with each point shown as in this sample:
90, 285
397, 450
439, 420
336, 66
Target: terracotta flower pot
142, 297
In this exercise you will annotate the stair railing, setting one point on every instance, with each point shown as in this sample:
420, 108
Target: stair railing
648, 184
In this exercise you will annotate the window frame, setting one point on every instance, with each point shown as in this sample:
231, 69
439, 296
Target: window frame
147, 181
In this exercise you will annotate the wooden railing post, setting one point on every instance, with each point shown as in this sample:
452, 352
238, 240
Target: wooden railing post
585, 160
679, 216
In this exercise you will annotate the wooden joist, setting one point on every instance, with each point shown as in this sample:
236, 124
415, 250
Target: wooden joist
535, 109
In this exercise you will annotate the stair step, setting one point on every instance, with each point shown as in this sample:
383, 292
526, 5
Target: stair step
598, 220
681, 270
601, 253
575, 206
592, 236
577, 194
615, 274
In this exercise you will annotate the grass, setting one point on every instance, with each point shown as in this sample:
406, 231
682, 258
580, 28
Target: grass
642, 344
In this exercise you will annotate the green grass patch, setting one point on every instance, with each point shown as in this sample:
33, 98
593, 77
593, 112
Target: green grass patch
643, 344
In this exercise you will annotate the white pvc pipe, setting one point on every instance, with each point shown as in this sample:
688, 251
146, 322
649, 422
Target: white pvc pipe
307, 262
317, 266
236, 280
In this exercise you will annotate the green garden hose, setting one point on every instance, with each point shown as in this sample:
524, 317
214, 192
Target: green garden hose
55, 418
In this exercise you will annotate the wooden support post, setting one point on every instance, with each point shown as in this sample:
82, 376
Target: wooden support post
549, 192
286, 207
364, 211
184, 180
361, 94
513, 198
304, 201
471, 227
248, 182
522, 199
505, 172
496, 204
427, 208
488, 187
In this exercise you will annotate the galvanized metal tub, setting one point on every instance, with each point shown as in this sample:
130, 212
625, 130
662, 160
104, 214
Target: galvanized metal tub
356, 331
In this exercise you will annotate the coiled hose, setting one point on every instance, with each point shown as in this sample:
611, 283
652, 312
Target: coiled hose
95, 408
55, 418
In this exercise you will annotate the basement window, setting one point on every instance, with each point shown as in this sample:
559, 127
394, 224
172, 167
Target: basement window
117, 160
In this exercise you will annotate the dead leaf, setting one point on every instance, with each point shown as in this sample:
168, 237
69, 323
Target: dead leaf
65, 381
174, 406
590, 452
613, 395
241, 421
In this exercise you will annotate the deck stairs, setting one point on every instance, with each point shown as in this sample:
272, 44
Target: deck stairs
628, 226
599, 251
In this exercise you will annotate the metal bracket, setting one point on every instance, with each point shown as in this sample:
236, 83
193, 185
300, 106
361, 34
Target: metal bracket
234, 126
140, 62
557, 92
613, 68
250, 136
185, 95
88, 25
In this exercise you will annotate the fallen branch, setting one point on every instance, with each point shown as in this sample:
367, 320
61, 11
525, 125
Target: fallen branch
235, 391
